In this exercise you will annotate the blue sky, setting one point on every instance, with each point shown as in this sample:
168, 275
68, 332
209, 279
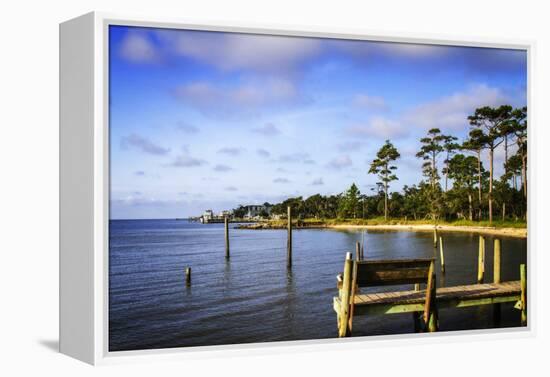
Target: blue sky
204, 120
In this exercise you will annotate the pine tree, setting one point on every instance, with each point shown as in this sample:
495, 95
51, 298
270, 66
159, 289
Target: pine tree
490, 122
381, 166
431, 148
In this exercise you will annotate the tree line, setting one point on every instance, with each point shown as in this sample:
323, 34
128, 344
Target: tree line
457, 182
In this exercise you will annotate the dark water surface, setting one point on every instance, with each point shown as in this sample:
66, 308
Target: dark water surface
253, 297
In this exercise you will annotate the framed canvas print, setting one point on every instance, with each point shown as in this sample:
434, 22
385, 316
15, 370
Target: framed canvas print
223, 185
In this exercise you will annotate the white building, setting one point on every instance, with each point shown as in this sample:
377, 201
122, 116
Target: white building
255, 211
208, 215
224, 213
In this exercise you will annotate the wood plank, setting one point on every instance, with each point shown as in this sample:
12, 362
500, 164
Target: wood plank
422, 261
381, 279
460, 293
408, 307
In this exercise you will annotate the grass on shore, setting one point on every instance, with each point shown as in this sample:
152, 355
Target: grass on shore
381, 221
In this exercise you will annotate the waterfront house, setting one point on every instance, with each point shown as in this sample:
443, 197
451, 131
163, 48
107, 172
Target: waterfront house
207, 216
257, 211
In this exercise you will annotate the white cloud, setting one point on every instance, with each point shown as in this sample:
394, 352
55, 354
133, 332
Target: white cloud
317, 182
340, 162
281, 180
231, 151
187, 128
296, 158
349, 146
137, 48
263, 153
374, 103
268, 129
230, 51
186, 161
412, 50
451, 112
222, 168
143, 144
379, 127
252, 95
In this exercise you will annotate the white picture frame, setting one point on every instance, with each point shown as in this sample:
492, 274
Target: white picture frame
84, 190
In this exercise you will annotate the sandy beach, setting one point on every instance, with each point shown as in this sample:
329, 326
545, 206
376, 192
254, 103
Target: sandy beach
508, 232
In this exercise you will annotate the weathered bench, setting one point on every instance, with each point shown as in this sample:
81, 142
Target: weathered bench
368, 273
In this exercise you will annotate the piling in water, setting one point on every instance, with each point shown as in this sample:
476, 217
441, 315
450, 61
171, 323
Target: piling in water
435, 237
188, 275
442, 255
481, 260
357, 251
226, 224
496, 263
289, 239
496, 278
523, 282
343, 318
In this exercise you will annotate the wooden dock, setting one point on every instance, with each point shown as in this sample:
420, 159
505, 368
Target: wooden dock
424, 304
449, 297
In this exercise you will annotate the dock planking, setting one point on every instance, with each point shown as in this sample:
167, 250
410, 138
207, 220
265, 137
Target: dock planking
448, 297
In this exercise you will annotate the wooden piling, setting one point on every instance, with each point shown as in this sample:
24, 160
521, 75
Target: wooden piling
442, 255
430, 291
343, 321
523, 282
358, 251
496, 261
226, 224
481, 260
289, 238
435, 237
496, 278
430, 310
188, 275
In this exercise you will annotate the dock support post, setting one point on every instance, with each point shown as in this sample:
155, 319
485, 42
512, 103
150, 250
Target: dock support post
523, 282
188, 276
226, 224
496, 278
481, 260
416, 315
289, 238
496, 262
442, 255
358, 251
343, 321
433, 322
435, 237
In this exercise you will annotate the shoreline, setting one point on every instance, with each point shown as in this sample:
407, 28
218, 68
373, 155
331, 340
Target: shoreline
508, 232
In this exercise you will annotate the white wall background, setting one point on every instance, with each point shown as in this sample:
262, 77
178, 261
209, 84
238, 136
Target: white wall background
29, 188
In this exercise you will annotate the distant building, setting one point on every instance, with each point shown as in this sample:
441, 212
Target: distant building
208, 215
251, 212
257, 211
225, 213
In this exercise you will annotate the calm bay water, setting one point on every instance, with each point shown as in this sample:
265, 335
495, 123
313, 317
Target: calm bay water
252, 297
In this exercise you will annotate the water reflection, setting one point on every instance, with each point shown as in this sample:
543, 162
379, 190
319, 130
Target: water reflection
253, 297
